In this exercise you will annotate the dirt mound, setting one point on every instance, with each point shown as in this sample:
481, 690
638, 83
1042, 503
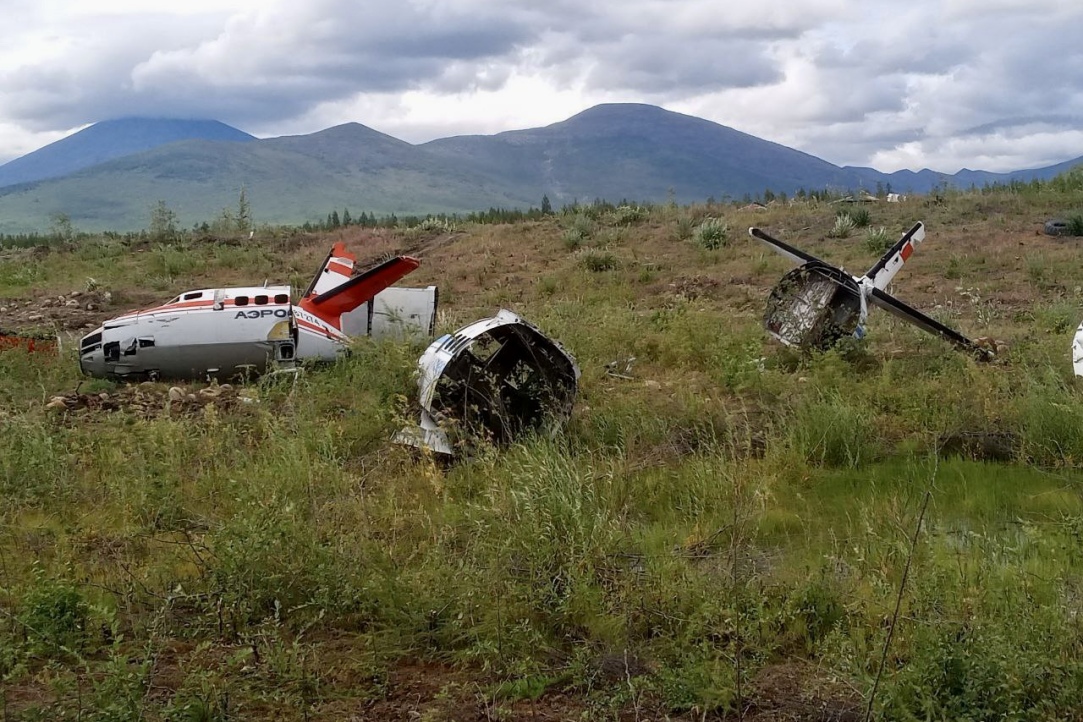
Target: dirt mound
694, 287
73, 311
151, 400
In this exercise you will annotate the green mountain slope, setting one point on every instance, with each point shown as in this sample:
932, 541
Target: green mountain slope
616, 151
107, 140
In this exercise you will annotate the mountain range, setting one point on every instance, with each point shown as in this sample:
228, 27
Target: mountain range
110, 175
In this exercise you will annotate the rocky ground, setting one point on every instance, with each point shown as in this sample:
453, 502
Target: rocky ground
75, 311
151, 400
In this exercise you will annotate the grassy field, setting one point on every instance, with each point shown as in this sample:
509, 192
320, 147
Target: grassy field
724, 534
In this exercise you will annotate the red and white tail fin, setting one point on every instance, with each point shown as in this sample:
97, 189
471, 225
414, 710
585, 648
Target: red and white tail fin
886, 268
335, 291
337, 268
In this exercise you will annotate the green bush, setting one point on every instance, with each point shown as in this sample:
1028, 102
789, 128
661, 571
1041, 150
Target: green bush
860, 216
685, 227
878, 240
628, 215
712, 234
572, 238
844, 225
597, 261
1075, 224
833, 432
54, 616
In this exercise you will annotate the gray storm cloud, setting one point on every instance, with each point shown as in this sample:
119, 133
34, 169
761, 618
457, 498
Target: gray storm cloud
844, 81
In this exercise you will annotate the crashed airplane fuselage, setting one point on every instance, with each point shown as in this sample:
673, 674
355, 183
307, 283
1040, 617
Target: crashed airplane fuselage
228, 332
494, 378
816, 305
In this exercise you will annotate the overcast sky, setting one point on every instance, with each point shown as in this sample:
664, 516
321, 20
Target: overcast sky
945, 84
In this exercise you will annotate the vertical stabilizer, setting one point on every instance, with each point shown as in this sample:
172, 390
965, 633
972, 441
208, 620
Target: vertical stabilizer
337, 268
886, 268
334, 291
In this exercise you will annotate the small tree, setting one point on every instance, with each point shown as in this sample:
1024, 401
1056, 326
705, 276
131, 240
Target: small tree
62, 227
163, 222
546, 206
225, 223
244, 212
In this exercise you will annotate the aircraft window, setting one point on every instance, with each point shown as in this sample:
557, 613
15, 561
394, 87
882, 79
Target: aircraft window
146, 342
261, 300
282, 298
112, 351
193, 296
92, 339
240, 301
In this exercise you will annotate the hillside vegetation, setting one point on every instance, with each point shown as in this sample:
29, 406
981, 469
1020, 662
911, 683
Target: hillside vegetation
725, 529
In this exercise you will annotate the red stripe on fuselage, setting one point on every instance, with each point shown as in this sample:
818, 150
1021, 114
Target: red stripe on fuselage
197, 305
308, 326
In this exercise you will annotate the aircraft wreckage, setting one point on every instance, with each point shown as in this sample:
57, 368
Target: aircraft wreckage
495, 378
228, 332
816, 305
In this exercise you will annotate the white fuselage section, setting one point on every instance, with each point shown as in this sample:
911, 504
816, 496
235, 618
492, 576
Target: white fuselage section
210, 333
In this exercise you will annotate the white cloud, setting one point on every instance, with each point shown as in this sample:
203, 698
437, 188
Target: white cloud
944, 85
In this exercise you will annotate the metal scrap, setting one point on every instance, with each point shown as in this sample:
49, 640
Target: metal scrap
493, 379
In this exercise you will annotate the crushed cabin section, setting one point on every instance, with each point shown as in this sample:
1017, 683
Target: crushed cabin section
495, 378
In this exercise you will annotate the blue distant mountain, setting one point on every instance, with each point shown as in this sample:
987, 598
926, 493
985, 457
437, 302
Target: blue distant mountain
109, 176
107, 140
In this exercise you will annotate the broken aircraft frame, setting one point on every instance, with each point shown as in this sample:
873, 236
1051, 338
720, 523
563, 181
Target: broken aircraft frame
816, 305
495, 378
228, 332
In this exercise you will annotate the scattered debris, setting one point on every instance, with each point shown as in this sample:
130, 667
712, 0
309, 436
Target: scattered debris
816, 305
74, 311
694, 287
30, 341
625, 373
494, 378
1057, 227
980, 445
994, 346
862, 197
149, 400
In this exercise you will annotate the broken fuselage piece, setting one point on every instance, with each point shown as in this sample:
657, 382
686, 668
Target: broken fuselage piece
816, 305
495, 379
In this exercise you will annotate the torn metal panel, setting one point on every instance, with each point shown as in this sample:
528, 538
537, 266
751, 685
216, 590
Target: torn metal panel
395, 313
495, 379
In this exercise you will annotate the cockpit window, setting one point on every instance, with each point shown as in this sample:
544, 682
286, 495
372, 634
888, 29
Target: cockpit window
193, 296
